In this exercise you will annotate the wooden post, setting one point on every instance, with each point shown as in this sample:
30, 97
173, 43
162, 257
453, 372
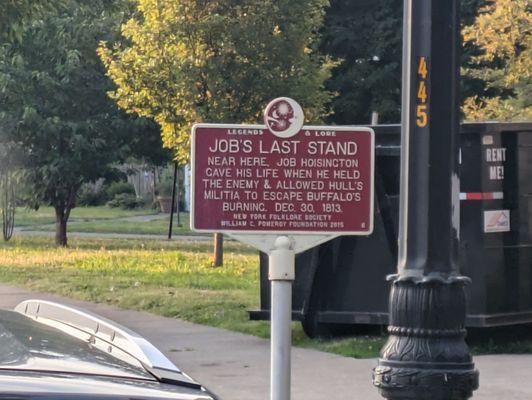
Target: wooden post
218, 249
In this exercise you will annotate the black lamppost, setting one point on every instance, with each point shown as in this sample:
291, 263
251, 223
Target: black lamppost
426, 356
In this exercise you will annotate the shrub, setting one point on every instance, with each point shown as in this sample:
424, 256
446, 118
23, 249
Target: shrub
119, 187
164, 188
149, 202
126, 201
165, 184
92, 194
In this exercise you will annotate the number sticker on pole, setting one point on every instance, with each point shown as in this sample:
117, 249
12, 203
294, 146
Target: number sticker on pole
422, 109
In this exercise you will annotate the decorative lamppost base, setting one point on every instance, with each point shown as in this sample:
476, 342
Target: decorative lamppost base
426, 356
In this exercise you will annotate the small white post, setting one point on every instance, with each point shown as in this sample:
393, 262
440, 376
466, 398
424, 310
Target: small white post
281, 275
187, 187
374, 118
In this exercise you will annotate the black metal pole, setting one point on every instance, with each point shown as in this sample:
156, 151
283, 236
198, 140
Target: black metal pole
178, 198
426, 356
172, 207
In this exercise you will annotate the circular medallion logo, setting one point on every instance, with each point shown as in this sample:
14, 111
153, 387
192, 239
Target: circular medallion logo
284, 117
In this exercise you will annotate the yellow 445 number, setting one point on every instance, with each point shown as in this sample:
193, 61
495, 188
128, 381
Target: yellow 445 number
422, 118
422, 69
421, 114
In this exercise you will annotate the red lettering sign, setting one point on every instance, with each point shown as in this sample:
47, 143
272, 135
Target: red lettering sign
246, 179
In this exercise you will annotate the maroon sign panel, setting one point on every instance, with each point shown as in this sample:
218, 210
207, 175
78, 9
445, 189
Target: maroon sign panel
246, 179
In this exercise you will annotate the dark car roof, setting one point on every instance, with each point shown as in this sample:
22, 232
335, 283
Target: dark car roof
49, 351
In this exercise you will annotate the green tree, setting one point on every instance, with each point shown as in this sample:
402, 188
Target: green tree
15, 14
53, 105
187, 61
502, 31
366, 36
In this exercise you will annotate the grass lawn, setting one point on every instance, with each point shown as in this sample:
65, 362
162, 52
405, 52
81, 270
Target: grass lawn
45, 215
177, 279
103, 219
153, 227
166, 278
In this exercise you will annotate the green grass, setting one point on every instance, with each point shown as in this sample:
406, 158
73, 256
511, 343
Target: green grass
45, 215
173, 279
153, 227
103, 220
505, 339
177, 279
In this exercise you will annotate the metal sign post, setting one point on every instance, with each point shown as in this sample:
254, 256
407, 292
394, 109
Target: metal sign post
283, 188
281, 275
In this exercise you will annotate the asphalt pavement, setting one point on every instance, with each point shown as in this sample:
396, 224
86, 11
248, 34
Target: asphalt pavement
236, 366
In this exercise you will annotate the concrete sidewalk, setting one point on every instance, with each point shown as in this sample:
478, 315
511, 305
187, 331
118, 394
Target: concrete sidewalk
236, 366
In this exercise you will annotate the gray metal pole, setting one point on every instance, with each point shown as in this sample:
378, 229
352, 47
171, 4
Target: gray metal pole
281, 276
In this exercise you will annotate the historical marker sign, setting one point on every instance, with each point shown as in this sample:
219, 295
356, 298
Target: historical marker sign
283, 188
267, 179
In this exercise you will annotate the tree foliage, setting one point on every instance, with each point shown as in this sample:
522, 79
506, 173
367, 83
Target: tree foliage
15, 14
366, 36
503, 32
186, 61
54, 104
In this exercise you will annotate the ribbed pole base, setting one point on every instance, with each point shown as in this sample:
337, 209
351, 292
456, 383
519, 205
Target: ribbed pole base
426, 356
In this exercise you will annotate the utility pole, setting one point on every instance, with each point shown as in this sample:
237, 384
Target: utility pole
426, 356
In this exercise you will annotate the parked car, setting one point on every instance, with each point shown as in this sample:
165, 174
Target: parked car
52, 351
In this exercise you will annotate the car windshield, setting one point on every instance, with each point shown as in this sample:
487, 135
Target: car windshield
28, 345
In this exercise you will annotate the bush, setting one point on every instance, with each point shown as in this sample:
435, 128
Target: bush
149, 202
165, 187
120, 187
166, 183
126, 201
92, 194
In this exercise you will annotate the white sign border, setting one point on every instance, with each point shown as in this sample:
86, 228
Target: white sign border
239, 233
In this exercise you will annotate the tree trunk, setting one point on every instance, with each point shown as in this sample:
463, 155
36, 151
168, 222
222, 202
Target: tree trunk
7, 202
60, 227
218, 249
